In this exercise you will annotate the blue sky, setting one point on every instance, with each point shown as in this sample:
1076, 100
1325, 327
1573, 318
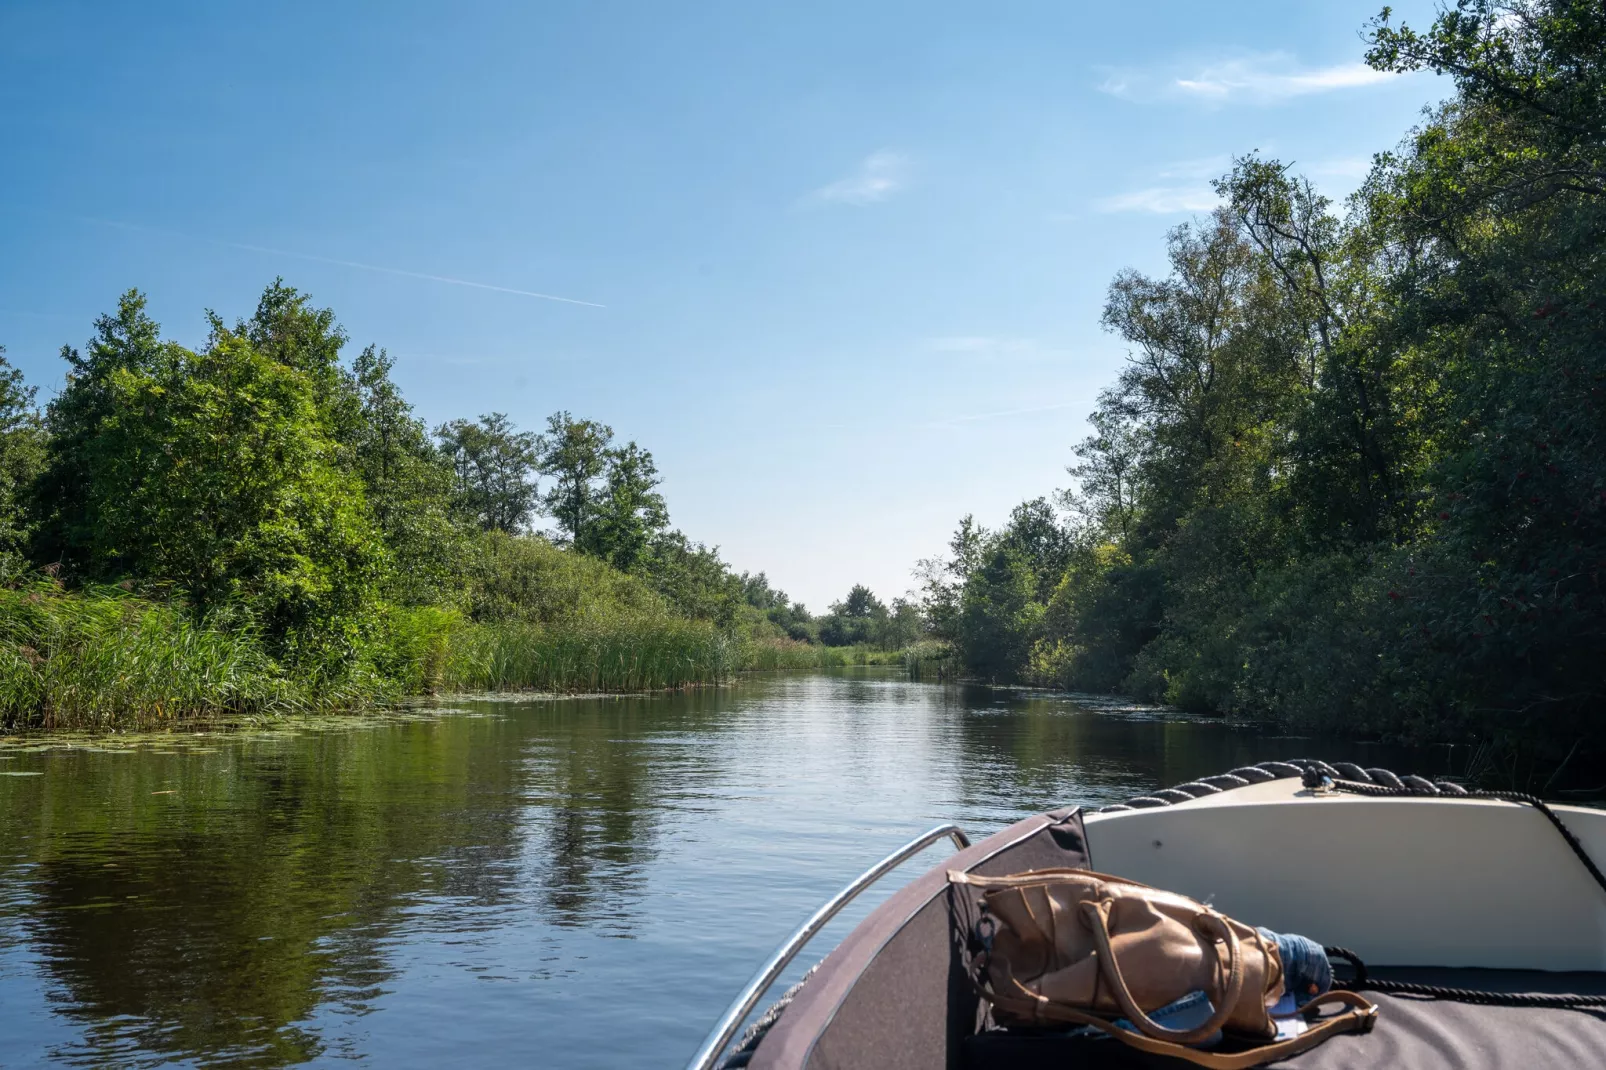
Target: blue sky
844, 261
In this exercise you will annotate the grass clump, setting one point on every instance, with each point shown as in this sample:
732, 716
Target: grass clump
96, 659
787, 655
930, 660
618, 654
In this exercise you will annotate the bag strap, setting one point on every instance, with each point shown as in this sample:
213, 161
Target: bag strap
1098, 919
1360, 1018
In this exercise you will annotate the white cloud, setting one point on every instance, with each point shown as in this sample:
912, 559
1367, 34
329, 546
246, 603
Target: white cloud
1249, 78
880, 175
1260, 78
1163, 200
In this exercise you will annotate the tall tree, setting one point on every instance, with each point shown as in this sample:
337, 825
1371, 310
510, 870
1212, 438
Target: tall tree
287, 327
943, 579
493, 469
214, 472
127, 341
1498, 206
631, 513
22, 446
407, 481
692, 578
573, 455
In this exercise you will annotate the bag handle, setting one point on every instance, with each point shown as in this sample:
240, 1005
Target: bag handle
1098, 919
1360, 1018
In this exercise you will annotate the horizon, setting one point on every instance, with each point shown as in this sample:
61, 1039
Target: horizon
912, 225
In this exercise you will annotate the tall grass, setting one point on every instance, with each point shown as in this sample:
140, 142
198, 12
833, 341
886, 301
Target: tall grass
787, 655
929, 660
98, 659
102, 658
619, 654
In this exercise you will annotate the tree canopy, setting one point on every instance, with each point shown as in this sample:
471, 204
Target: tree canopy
1353, 473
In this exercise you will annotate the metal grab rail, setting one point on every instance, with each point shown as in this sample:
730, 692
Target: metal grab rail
731, 1021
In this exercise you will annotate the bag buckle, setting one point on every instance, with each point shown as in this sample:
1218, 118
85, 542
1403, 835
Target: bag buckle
1368, 1018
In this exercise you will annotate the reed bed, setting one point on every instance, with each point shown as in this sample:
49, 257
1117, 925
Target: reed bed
630, 654
930, 661
99, 659
787, 655
104, 659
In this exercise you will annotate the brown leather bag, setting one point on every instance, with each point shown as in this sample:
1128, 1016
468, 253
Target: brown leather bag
1071, 945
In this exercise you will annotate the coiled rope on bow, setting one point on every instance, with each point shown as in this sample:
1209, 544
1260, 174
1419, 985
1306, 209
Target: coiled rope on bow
1319, 781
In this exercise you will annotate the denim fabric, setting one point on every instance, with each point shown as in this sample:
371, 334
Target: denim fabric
1307, 973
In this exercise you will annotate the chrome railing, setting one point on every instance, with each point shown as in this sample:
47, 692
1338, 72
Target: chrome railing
714, 1046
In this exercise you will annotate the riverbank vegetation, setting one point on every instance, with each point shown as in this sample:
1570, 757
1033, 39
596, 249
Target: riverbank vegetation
1354, 475
260, 526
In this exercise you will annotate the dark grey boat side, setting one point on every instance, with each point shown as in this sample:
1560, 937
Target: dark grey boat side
892, 995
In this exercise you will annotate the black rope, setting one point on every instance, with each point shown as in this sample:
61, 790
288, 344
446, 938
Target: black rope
1414, 786
743, 1052
1362, 980
1316, 780
1381, 783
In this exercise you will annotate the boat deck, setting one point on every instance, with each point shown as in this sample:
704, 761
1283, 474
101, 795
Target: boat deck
1412, 1033
1486, 891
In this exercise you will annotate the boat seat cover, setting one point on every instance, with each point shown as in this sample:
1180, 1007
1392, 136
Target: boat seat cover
875, 1000
1412, 1033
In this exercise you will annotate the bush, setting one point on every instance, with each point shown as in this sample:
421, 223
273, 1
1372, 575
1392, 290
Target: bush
524, 578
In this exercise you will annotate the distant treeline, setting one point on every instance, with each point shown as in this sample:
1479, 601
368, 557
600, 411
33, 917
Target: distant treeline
1354, 475
258, 524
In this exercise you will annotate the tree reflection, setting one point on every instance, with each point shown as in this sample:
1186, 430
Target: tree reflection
211, 905
216, 918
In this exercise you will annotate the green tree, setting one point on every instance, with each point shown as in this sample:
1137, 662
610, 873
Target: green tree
791, 619
407, 481
493, 471
1497, 617
691, 576
1353, 473
854, 620
215, 472
942, 580
22, 453
127, 340
573, 455
287, 327
631, 512
902, 625
999, 616
1108, 479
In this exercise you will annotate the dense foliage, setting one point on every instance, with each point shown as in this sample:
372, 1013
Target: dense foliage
1354, 474
259, 525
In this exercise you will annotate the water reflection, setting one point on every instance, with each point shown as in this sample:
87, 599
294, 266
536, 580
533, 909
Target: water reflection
509, 873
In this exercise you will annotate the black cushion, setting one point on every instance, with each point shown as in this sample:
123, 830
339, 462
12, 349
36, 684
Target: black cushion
1412, 1033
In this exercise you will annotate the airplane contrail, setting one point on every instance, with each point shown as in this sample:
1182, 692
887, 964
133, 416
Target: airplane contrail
343, 263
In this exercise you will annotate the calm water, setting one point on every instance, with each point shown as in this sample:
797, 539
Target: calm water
509, 883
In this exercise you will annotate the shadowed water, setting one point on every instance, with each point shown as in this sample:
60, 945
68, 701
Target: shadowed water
580, 882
